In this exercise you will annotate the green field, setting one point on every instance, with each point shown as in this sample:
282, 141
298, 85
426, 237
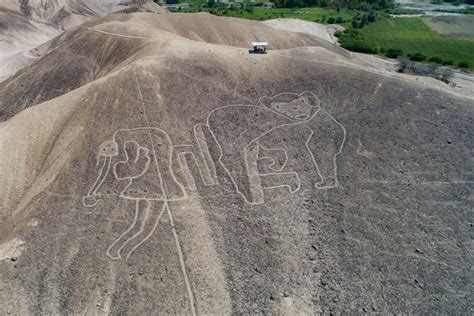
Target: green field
308, 14
313, 14
412, 35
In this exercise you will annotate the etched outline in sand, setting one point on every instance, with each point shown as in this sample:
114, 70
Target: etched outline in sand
255, 154
254, 177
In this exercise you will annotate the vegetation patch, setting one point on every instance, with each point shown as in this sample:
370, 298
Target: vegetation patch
312, 14
369, 27
412, 37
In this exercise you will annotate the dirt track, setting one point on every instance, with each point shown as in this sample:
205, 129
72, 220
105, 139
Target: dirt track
149, 163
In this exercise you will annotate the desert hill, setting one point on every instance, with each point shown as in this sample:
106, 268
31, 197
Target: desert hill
25, 25
149, 163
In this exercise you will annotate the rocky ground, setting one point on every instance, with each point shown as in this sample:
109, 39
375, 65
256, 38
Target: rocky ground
25, 25
150, 164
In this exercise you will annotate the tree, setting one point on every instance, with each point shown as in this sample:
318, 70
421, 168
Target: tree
393, 52
425, 69
417, 57
436, 59
360, 46
309, 3
323, 3
404, 63
371, 17
447, 62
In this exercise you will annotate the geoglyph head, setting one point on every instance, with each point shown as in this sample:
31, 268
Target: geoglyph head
298, 107
108, 149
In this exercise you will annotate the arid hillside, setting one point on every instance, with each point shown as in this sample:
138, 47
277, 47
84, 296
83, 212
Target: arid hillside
150, 164
26, 24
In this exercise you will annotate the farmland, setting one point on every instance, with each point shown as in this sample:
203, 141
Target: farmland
312, 14
411, 36
408, 35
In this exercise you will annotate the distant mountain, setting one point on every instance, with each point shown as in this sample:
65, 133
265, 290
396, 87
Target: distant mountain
26, 24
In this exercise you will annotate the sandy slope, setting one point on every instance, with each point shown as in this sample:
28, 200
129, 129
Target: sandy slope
27, 24
391, 234
322, 31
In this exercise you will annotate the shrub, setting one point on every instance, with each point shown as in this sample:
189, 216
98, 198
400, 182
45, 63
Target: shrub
351, 33
362, 7
331, 20
436, 59
417, 57
404, 63
371, 17
360, 46
424, 69
463, 64
393, 52
339, 19
444, 74
447, 62
323, 3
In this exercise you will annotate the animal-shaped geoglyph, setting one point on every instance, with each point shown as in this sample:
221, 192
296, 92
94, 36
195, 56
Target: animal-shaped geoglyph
260, 145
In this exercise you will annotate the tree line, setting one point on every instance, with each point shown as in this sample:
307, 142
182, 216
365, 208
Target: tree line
339, 4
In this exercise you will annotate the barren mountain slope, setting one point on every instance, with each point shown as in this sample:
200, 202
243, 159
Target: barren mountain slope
26, 24
96, 51
150, 164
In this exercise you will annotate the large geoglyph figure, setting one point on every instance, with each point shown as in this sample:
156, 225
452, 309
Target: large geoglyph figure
260, 145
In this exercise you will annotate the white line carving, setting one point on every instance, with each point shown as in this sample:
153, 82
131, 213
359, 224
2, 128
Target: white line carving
150, 185
294, 111
144, 166
318, 185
